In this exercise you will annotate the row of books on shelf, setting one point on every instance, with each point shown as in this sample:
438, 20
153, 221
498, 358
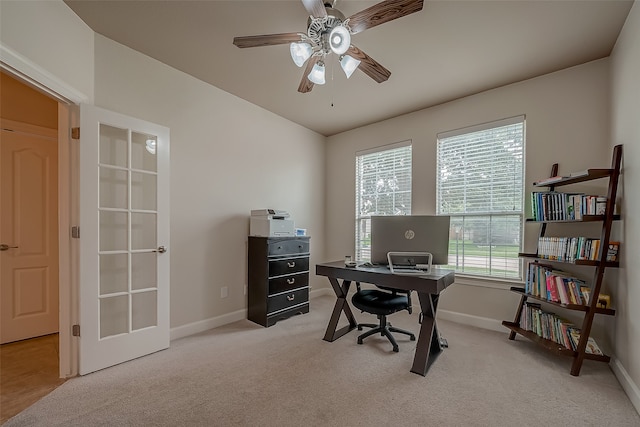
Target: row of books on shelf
570, 249
554, 285
545, 282
556, 206
552, 327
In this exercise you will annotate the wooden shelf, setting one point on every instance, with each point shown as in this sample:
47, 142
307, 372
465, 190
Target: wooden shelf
590, 310
589, 262
591, 174
578, 307
552, 346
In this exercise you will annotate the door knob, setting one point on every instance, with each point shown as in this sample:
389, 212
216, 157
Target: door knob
4, 247
161, 249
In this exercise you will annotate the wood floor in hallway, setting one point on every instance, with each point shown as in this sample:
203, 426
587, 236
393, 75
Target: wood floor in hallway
29, 370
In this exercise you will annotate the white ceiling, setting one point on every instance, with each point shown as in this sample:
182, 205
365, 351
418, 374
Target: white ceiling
448, 50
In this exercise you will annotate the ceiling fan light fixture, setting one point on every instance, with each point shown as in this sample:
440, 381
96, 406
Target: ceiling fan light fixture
317, 74
339, 39
300, 52
150, 145
349, 64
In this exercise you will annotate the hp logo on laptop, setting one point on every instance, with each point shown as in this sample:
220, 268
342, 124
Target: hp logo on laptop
409, 234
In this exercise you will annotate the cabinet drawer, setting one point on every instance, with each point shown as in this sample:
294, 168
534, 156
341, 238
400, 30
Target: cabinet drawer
288, 247
283, 284
280, 267
288, 299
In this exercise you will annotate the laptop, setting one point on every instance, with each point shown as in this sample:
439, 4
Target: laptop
409, 233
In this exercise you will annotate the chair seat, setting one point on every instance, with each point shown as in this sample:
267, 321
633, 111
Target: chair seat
379, 302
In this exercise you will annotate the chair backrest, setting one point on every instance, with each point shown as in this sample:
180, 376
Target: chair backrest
394, 291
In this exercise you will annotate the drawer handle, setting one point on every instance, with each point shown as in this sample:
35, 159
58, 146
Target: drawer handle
291, 297
291, 264
291, 281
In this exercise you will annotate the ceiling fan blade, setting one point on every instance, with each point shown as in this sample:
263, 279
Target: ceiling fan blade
305, 84
382, 12
267, 39
315, 8
369, 66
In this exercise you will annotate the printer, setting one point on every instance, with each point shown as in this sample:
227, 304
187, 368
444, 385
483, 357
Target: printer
270, 223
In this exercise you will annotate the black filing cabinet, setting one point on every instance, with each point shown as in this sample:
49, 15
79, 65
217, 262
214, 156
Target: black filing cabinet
278, 278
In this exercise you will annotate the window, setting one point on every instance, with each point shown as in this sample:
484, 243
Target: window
383, 187
480, 184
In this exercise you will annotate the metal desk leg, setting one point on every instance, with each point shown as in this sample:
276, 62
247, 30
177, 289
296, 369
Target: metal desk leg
341, 306
429, 344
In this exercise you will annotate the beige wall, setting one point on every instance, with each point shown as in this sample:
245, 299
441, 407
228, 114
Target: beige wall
47, 40
566, 122
227, 157
625, 110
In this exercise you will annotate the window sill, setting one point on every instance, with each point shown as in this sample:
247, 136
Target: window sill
468, 280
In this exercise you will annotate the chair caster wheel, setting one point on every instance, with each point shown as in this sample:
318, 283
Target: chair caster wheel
359, 327
359, 341
412, 337
396, 349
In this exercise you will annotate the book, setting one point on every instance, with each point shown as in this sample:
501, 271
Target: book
586, 293
592, 347
612, 251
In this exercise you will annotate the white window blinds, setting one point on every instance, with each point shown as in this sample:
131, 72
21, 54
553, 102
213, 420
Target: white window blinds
480, 172
383, 187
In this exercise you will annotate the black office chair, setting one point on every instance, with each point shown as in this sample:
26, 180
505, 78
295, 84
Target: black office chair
382, 302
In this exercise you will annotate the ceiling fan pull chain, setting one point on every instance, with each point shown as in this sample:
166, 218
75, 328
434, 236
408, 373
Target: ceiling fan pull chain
332, 84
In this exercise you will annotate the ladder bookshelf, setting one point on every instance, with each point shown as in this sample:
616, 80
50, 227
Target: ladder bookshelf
599, 262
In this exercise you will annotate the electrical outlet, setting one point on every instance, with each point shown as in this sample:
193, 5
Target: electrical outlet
224, 292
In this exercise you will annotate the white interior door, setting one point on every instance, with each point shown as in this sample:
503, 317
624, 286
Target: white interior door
28, 232
124, 238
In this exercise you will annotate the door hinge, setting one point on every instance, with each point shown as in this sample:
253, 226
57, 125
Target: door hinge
75, 133
75, 232
75, 330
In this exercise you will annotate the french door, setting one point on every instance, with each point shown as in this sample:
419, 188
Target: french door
124, 238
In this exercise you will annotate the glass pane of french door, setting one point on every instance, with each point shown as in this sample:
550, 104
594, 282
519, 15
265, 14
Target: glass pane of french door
128, 231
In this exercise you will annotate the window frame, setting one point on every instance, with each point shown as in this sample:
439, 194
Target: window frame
491, 216
362, 222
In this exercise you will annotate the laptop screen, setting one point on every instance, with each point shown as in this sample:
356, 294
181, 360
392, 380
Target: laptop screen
410, 233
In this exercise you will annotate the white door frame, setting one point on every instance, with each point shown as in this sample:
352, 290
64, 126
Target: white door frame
32, 74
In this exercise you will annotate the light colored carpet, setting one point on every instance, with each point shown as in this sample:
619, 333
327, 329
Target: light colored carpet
245, 375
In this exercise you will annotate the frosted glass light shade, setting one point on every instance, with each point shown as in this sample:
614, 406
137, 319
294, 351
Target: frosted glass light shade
300, 52
317, 74
339, 40
349, 64
150, 145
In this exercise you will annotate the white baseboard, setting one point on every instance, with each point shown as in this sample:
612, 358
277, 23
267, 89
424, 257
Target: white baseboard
629, 387
204, 325
467, 319
214, 322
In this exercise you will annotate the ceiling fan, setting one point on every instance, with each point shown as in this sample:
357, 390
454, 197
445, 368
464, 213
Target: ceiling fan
329, 31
